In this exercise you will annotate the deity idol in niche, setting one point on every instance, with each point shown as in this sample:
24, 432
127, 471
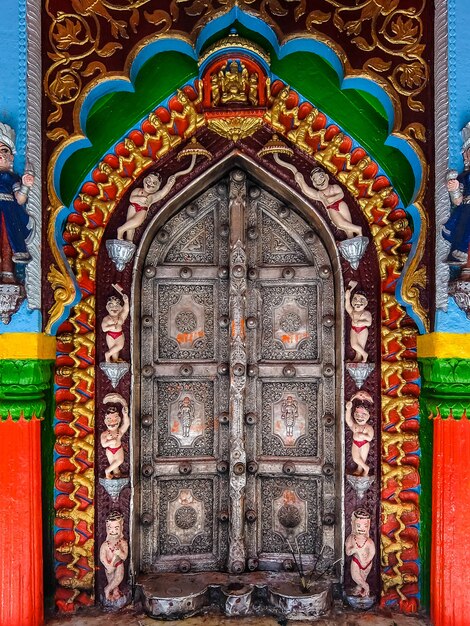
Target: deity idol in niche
362, 550
361, 319
14, 191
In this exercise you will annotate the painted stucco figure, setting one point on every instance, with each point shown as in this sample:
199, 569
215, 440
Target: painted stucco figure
362, 550
113, 554
116, 428
457, 228
14, 191
361, 320
363, 433
113, 323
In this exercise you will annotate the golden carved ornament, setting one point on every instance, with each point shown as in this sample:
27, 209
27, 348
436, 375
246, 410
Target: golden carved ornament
235, 128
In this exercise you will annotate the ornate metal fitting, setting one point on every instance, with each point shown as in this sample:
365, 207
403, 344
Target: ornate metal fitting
163, 236
328, 519
252, 564
254, 192
184, 566
251, 322
289, 371
146, 519
186, 370
283, 211
328, 370
328, 469
250, 419
238, 271
324, 271
223, 369
238, 567
185, 467
239, 468
328, 320
252, 273
147, 470
147, 371
222, 467
252, 233
149, 271
146, 421
238, 369
186, 272
252, 370
288, 272
147, 321
288, 468
224, 321
224, 418
250, 516
310, 236
222, 272
328, 419
223, 516
252, 467
192, 210
288, 565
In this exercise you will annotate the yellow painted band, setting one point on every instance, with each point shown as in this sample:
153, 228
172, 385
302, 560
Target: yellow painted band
27, 346
444, 346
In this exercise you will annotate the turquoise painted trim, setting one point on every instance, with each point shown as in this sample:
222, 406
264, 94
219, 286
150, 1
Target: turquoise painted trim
25, 320
453, 320
155, 47
416, 219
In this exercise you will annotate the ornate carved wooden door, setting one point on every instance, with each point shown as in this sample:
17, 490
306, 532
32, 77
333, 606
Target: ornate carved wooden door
237, 386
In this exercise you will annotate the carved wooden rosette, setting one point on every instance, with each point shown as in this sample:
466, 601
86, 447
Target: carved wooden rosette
238, 366
84, 232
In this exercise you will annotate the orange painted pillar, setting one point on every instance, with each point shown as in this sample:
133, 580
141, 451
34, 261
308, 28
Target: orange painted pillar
21, 578
450, 570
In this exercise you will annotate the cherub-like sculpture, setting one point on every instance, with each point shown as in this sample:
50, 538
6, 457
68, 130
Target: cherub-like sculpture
113, 553
305, 130
14, 191
279, 107
362, 549
113, 323
140, 201
363, 433
361, 320
457, 228
189, 111
332, 197
111, 438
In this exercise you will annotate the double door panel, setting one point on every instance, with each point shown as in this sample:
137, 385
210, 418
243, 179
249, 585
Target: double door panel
237, 377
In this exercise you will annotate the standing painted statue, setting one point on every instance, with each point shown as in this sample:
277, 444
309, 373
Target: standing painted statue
457, 228
14, 191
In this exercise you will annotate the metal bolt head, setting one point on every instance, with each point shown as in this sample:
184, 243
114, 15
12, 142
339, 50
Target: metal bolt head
283, 212
239, 469
224, 418
250, 418
238, 271
224, 230
310, 236
223, 369
288, 468
185, 467
147, 371
146, 519
238, 369
223, 516
224, 321
147, 470
328, 519
222, 467
288, 565
328, 370
328, 419
184, 566
146, 421
252, 467
222, 272
186, 370
324, 271
186, 272
149, 271
252, 370
328, 320
252, 273
163, 235
328, 469
288, 272
254, 192
251, 322
289, 371
250, 516
238, 567
252, 233
147, 321
252, 564
192, 210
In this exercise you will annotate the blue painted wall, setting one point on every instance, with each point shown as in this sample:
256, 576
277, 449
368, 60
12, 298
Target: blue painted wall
454, 319
13, 112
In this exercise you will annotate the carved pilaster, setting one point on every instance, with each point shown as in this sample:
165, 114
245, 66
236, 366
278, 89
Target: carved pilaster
238, 365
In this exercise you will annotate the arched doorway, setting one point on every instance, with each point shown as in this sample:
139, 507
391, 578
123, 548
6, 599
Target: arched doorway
238, 462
